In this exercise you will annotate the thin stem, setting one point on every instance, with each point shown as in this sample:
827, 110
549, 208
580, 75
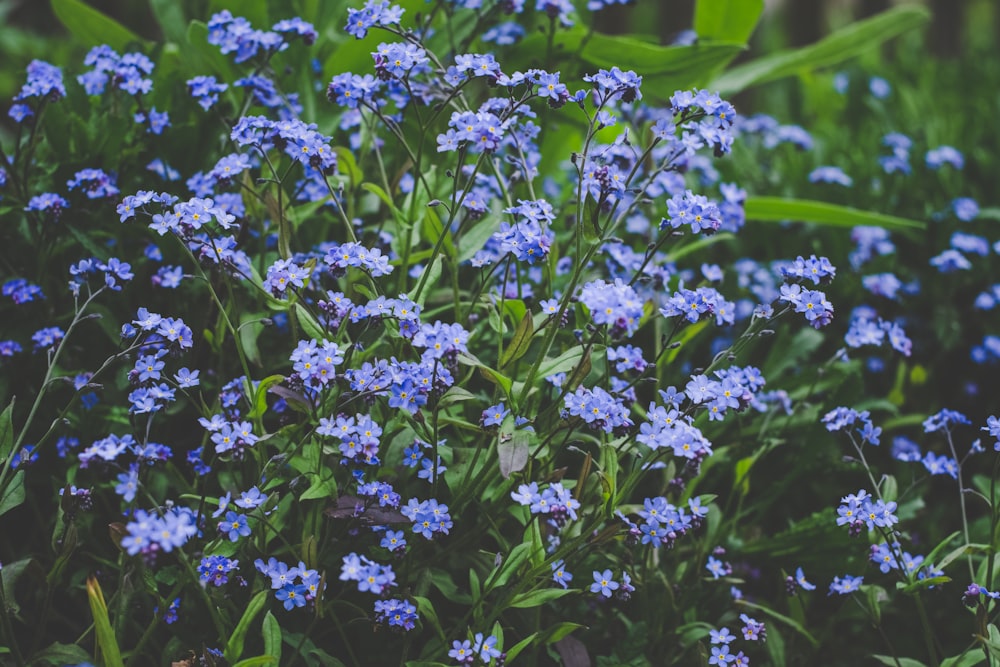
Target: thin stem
961, 498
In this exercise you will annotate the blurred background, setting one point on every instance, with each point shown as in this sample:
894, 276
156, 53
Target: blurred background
960, 29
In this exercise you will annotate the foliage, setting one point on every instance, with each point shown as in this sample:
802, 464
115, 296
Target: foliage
461, 333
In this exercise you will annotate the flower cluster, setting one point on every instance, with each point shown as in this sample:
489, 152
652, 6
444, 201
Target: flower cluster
294, 587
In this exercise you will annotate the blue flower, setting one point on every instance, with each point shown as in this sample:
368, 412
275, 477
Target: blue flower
560, 575
800, 579
494, 415
292, 595
845, 585
604, 583
234, 526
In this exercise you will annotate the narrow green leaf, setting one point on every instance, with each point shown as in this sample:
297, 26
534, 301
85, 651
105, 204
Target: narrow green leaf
13, 495
234, 647
875, 595
434, 271
970, 658
456, 395
209, 55
727, 20
310, 326
664, 68
259, 661
425, 610
517, 648
249, 330
105, 635
260, 397
91, 26
348, 165
991, 213
902, 662
778, 209
521, 341
170, 15
534, 538
434, 229
510, 565
254, 10
475, 587
560, 630
700, 244
921, 584
7, 431
272, 636
564, 363
993, 643
941, 546
955, 554
539, 597
473, 240
834, 49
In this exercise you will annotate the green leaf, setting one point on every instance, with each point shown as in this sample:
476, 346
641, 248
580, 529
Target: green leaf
992, 213
560, 630
700, 244
259, 661
13, 495
61, 654
434, 271
7, 431
473, 240
249, 330
875, 595
902, 662
517, 648
456, 395
967, 659
513, 453
260, 397
234, 647
727, 20
310, 326
474, 585
170, 15
955, 554
398, 215
91, 26
103, 632
534, 538
941, 546
502, 574
539, 597
272, 635
255, 11
348, 165
564, 363
834, 49
664, 68
993, 643
434, 229
921, 584
652, 59
425, 610
779, 209
521, 341
320, 488
209, 56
